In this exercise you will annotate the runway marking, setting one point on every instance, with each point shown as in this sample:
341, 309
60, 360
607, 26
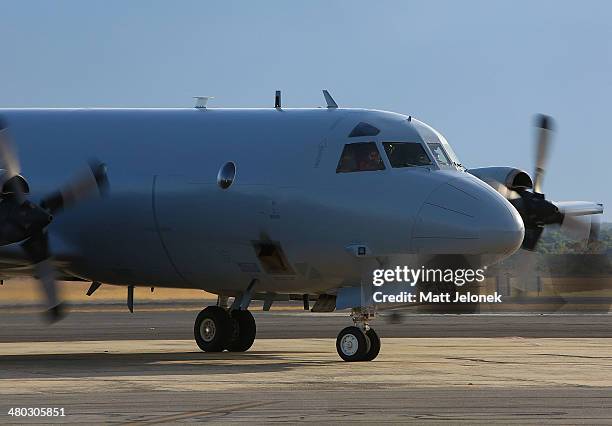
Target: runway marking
201, 413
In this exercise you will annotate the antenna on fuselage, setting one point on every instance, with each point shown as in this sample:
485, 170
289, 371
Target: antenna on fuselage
277, 100
330, 101
201, 101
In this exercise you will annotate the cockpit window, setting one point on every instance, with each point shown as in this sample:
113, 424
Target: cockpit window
364, 129
360, 157
442, 151
406, 154
439, 154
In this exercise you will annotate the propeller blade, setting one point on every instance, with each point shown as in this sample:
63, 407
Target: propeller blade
91, 182
544, 126
526, 272
8, 155
37, 249
578, 208
10, 181
595, 230
46, 274
533, 279
577, 228
585, 230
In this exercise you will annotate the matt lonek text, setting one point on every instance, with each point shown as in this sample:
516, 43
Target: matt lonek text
429, 297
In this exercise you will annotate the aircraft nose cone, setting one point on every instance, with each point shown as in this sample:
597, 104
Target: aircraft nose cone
467, 216
502, 229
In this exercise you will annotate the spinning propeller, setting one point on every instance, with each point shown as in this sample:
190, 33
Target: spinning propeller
26, 222
575, 217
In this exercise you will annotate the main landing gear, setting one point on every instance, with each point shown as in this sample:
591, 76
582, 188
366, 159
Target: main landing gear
358, 342
216, 329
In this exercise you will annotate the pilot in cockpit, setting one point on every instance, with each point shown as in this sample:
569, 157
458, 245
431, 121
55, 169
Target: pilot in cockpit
371, 162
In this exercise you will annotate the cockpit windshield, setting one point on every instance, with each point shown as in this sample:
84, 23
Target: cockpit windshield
439, 154
440, 148
360, 157
406, 154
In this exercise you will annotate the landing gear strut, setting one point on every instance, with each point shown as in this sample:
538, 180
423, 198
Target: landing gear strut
358, 342
216, 329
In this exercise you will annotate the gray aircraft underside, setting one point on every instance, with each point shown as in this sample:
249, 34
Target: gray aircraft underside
166, 221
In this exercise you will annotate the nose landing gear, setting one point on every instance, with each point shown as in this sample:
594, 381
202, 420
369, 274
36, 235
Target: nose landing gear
216, 329
358, 342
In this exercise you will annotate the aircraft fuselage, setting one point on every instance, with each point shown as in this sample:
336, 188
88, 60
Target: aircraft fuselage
167, 222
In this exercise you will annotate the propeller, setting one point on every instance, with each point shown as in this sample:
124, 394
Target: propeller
535, 210
25, 222
544, 128
579, 220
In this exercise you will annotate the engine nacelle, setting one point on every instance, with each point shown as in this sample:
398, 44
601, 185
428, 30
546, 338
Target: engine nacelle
509, 176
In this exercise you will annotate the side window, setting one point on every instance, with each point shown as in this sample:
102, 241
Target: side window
439, 154
406, 154
360, 157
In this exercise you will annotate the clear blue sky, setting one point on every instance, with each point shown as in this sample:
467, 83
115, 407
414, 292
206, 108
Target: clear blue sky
475, 70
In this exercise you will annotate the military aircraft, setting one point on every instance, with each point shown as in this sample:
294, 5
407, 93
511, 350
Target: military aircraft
253, 204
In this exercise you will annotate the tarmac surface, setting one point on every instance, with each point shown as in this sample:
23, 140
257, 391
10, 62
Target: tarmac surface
102, 364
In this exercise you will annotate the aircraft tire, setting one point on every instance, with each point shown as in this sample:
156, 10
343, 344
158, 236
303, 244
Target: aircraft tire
352, 344
212, 329
244, 331
374, 349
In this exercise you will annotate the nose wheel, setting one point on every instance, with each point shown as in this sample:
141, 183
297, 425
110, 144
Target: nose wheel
374, 345
358, 342
353, 344
216, 329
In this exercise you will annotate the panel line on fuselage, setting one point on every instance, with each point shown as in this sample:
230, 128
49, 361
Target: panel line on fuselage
158, 230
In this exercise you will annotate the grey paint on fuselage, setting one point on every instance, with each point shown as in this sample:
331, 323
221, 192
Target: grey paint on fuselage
166, 222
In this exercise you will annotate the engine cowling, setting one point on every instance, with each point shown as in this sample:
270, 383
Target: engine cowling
512, 178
